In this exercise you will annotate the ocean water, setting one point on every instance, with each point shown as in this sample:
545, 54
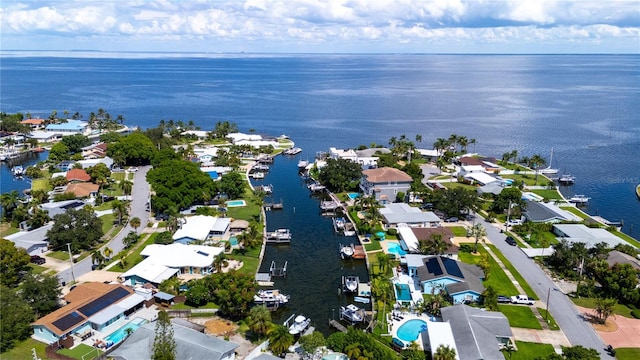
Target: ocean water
585, 107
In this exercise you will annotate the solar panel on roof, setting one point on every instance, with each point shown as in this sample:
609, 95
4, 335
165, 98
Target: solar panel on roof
434, 267
68, 321
452, 267
72, 205
103, 301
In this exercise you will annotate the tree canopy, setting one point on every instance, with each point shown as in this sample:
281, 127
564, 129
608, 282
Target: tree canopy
164, 344
75, 142
133, 149
340, 175
232, 291
81, 228
13, 262
233, 184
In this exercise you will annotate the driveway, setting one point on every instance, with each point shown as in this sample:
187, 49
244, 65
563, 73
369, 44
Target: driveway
626, 334
569, 318
137, 208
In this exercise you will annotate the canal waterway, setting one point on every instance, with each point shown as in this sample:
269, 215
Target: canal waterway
314, 266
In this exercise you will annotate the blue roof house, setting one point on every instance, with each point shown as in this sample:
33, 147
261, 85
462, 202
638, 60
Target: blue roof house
69, 128
462, 282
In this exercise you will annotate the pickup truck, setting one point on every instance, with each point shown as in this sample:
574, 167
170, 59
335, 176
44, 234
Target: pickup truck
522, 299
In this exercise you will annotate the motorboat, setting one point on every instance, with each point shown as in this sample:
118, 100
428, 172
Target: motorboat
579, 199
270, 298
292, 151
350, 283
352, 313
338, 224
347, 251
258, 175
280, 234
567, 179
300, 323
316, 187
302, 164
17, 170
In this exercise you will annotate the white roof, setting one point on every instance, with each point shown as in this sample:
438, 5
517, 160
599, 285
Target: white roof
256, 143
198, 227
472, 168
343, 154
93, 162
235, 137
179, 255
428, 152
116, 309
407, 235
198, 133
440, 333
587, 235
43, 135
481, 177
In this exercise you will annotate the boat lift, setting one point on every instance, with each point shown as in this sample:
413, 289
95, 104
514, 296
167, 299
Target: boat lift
276, 271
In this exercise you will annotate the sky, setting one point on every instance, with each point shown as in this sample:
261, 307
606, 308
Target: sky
322, 26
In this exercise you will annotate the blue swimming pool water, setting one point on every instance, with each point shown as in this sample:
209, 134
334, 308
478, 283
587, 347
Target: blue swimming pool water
335, 356
353, 196
232, 203
409, 331
121, 333
395, 248
403, 292
233, 241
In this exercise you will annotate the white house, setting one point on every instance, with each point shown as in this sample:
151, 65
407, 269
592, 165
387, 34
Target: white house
69, 128
366, 162
396, 214
201, 228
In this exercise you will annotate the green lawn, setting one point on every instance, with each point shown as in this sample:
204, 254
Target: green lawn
250, 260
7, 229
550, 320
550, 194
373, 245
60, 255
626, 238
81, 352
590, 303
107, 222
134, 257
117, 176
22, 350
575, 211
529, 351
525, 286
520, 316
182, 306
497, 278
628, 353
458, 230
40, 184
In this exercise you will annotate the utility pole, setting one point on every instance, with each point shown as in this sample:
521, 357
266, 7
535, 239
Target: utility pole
73, 276
506, 225
546, 317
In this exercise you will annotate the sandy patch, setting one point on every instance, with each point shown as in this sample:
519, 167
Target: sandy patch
220, 327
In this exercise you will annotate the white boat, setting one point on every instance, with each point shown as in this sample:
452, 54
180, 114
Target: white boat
352, 313
17, 170
579, 199
258, 175
302, 164
316, 187
347, 251
350, 283
270, 298
567, 179
549, 170
338, 224
292, 151
361, 299
300, 323
280, 234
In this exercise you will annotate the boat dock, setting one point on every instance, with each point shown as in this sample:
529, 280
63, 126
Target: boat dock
359, 252
264, 279
276, 271
337, 325
280, 236
273, 206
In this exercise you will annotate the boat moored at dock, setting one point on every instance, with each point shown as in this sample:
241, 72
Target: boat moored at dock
279, 236
17, 170
567, 179
579, 199
300, 323
351, 313
270, 298
347, 251
350, 283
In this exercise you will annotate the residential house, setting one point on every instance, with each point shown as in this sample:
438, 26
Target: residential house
90, 306
34, 124
542, 212
479, 334
487, 163
384, 183
87, 163
190, 344
59, 207
202, 228
77, 175
617, 257
429, 154
253, 140
165, 261
45, 136
438, 334
410, 238
198, 134
70, 127
401, 214
35, 242
83, 190
462, 282
589, 236
94, 151
366, 162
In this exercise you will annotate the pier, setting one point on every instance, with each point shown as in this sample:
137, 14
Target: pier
276, 271
280, 236
336, 324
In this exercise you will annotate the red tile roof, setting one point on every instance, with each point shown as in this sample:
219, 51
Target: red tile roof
385, 175
77, 175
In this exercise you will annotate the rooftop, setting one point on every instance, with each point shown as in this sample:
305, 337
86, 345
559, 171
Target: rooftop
386, 175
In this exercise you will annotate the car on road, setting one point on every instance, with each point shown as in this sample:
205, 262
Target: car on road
522, 299
38, 260
451, 219
133, 169
504, 299
511, 241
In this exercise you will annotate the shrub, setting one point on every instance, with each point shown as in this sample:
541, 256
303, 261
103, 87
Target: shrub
392, 231
635, 313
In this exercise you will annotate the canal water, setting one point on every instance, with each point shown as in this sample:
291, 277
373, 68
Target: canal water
314, 267
9, 183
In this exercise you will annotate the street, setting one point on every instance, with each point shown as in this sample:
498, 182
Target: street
137, 208
577, 330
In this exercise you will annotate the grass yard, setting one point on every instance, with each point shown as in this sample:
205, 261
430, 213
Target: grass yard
523, 283
134, 257
60, 254
626, 238
40, 184
628, 353
22, 350
117, 176
250, 260
458, 230
497, 278
373, 245
520, 316
182, 306
590, 303
550, 194
81, 352
575, 211
6, 229
550, 320
107, 222
530, 351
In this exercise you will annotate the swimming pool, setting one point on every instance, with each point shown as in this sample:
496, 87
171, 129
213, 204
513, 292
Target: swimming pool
353, 196
121, 333
410, 330
396, 249
335, 356
235, 203
233, 241
403, 292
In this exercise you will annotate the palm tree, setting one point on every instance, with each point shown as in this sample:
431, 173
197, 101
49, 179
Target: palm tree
259, 320
97, 258
219, 262
384, 262
107, 252
444, 352
382, 291
464, 142
9, 201
537, 162
280, 339
435, 245
135, 223
353, 351
605, 308
120, 209
126, 186
440, 145
478, 231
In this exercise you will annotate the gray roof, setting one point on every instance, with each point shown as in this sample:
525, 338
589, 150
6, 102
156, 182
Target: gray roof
476, 331
494, 188
371, 152
396, 213
190, 344
584, 234
27, 239
546, 212
469, 275
617, 257
60, 207
265, 356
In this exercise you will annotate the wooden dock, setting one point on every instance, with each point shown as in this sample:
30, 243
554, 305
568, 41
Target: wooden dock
337, 325
359, 252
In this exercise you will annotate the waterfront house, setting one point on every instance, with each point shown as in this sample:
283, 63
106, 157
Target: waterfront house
190, 344
479, 334
162, 262
366, 162
384, 183
35, 241
480, 178
90, 306
617, 257
253, 140
77, 175
401, 214
542, 212
202, 228
462, 282
438, 334
60, 207
488, 164
34, 124
410, 238
83, 190
429, 154
45, 136
70, 127
589, 236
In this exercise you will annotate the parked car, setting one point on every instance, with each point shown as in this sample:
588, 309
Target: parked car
427, 206
452, 219
511, 241
522, 299
503, 299
95, 267
513, 222
38, 260
133, 169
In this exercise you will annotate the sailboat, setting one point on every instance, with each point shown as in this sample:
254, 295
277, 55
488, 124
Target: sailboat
549, 170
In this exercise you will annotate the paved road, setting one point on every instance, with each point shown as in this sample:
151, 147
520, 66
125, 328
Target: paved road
137, 208
578, 331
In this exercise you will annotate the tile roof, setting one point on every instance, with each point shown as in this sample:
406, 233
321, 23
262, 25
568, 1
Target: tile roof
82, 189
77, 175
32, 121
385, 175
